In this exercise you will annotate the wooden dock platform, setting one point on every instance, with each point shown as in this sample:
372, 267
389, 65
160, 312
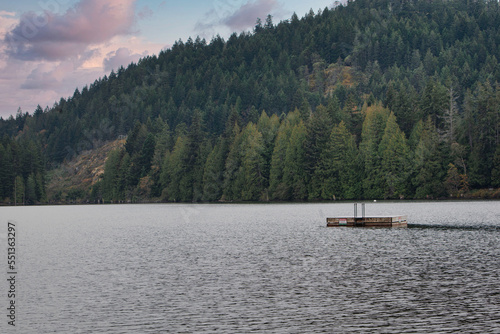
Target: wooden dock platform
394, 221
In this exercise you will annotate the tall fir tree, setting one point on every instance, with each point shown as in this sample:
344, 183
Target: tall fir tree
277, 188
294, 171
395, 165
428, 172
374, 124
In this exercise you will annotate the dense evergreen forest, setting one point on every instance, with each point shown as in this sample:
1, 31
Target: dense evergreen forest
372, 99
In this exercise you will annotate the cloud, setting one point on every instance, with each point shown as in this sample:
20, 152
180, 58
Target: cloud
51, 75
236, 18
26, 85
120, 57
246, 16
6, 13
50, 53
52, 36
45, 76
7, 21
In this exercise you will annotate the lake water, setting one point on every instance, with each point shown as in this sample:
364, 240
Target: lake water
240, 268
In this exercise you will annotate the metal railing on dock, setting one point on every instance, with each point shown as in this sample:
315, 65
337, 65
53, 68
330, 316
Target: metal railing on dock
356, 210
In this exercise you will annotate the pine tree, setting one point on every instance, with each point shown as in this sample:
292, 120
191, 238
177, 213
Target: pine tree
374, 126
277, 188
416, 135
450, 117
7, 172
163, 145
268, 127
337, 164
434, 102
294, 172
394, 154
31, 197
335, 112
495, 173
111, 176
18, 193
253, 164
232, 185
173, 171
305, 110
318, 134
428, 173
147, 153
40, 187
125, 182
136, 138
453, 181
191, 184
213, 173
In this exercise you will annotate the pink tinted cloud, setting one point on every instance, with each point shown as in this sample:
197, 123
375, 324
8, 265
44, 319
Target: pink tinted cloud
246, 16
45, 77
52, 36
120, 57
51, 75
236, 18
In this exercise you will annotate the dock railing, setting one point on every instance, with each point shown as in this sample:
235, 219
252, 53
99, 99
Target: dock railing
362, 210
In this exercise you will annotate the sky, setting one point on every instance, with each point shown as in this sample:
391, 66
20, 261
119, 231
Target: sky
48, 48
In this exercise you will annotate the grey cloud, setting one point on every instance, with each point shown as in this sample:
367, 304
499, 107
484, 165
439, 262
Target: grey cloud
53, 36
120, 57
246, 16
236, 18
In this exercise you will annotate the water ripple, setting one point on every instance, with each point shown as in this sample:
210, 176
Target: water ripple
258, 268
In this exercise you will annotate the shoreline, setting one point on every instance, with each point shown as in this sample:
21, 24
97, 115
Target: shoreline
82, 203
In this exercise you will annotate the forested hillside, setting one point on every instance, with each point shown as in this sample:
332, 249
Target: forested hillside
373, 99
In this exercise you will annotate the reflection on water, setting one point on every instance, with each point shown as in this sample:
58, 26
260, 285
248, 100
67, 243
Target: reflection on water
457, 227
269, 268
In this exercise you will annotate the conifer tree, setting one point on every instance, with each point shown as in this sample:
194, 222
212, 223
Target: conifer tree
394, 154
337, 164
428, 173
374, 125
453, 181
173, 171
147, 152
213, 173
253, 165
163, 144
125, 181
294, 171
232, 185
277, 188
268, 127
316, 141
18, 193
31, 197
495, 173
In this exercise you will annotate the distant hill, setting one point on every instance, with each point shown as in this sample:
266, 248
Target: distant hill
372, 99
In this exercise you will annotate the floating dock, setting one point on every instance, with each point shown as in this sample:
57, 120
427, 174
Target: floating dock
392, 221
397, 221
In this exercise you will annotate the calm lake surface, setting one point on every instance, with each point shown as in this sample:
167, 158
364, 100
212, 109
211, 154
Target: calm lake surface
240, 268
